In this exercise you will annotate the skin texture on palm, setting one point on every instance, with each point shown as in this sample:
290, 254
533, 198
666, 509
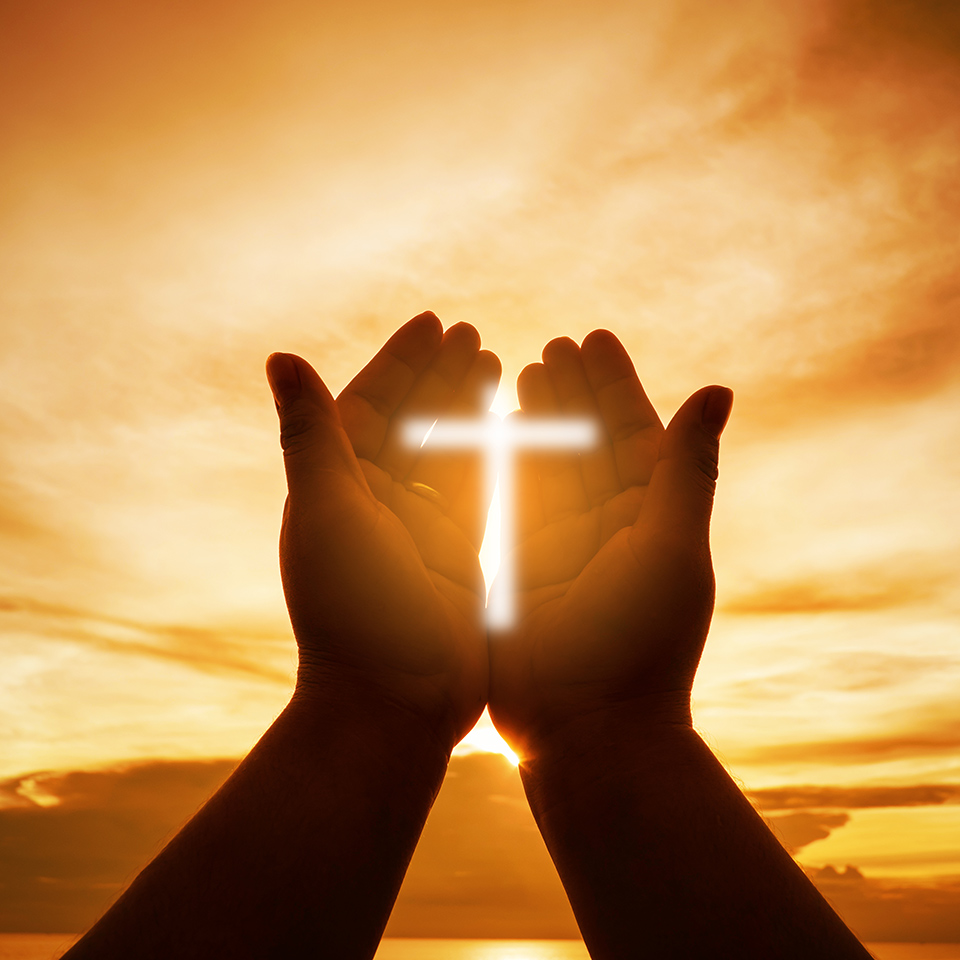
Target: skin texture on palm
383, 585
615, 578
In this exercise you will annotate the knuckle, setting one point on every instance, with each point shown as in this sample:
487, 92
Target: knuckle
706, 464
296, 429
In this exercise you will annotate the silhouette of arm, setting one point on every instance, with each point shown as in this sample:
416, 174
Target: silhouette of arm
303, 849
660, 853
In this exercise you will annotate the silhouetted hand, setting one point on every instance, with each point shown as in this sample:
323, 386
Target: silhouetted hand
615, 580
659, 851
379, 543
304, 848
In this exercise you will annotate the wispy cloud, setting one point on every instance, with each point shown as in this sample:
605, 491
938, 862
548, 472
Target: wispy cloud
228, 650
890, 910
804, 797
934, 741
870, 588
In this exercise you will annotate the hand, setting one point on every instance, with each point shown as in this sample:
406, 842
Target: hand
382, 582
615, 579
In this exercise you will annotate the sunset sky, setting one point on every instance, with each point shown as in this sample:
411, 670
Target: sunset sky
759, 194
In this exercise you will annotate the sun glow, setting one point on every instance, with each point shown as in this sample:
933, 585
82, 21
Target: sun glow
490, 548
484, 738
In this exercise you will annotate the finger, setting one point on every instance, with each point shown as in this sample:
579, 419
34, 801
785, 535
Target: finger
316, 449
432, 534
429, 396
631, 421
371, 398
679, 499
443, 470
576, 398
461, 477
561, 483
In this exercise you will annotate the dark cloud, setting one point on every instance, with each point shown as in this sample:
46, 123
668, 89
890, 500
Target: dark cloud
855, 798
940, 740
875, 36
796, 830
879, 910
62, 864
480, 869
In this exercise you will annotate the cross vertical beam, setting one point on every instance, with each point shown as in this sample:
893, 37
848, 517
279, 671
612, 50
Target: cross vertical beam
499, 441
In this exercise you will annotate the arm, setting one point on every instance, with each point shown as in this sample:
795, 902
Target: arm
305, 846
658, 850
662, 855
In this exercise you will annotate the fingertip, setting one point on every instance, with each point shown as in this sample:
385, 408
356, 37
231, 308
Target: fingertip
603, 344
716, 408
558, 348
605, 358
283, 376
491, 365
424, 326
534, 390
601, 337
466, 335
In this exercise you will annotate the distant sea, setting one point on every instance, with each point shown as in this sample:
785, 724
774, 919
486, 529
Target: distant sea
49, 946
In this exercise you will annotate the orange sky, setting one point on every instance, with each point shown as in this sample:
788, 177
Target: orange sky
756, 193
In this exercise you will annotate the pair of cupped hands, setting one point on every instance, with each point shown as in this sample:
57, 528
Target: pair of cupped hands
615, 585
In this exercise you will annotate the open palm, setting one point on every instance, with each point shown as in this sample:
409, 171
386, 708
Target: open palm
615, 579
379, 541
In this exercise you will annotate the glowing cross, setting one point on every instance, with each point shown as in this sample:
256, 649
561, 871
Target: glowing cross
499, 439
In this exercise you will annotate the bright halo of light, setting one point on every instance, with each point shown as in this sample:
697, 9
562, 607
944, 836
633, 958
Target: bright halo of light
490, 548
483, 738
499, 441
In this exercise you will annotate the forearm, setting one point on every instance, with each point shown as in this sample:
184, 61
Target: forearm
661, 855
302, 850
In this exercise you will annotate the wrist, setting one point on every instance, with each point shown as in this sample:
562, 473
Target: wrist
440, 706
604, 725
590, 749
391, 739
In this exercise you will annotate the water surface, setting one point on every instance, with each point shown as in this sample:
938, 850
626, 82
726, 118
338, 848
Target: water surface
48, 946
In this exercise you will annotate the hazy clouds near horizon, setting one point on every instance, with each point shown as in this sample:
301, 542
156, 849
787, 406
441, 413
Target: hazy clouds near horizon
481, 870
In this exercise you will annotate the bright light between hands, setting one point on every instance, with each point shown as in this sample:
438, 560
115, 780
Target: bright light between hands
490, 548
499, 440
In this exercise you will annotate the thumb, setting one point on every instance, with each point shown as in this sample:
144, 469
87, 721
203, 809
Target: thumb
679, 499
313, 440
